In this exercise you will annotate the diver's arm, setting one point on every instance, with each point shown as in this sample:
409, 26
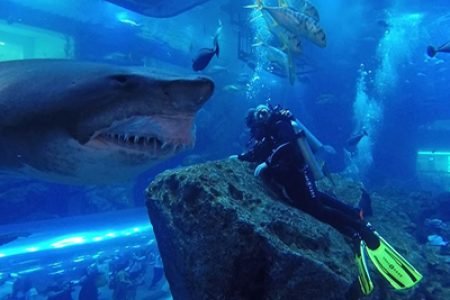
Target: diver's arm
246, 156
258, 153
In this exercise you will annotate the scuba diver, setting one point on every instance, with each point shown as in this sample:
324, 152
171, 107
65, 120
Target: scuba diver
285, 150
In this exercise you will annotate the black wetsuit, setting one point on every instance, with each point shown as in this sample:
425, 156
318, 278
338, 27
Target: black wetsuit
275, 143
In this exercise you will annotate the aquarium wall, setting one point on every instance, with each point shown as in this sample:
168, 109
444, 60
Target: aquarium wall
26, 42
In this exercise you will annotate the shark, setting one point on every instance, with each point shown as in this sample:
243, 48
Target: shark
80, 122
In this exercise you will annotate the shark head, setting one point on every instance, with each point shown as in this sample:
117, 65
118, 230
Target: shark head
76, 122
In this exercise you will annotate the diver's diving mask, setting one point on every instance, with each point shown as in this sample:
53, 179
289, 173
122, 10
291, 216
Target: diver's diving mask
261, 114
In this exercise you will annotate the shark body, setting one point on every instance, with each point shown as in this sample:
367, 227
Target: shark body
88, 123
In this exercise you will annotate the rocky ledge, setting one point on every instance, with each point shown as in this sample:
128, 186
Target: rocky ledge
223, 235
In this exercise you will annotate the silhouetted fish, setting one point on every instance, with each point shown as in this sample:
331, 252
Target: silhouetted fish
431, 51
383, 24
354, 140
205, 55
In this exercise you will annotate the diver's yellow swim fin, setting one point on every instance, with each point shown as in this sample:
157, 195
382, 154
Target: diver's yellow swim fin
365, 283
394, 267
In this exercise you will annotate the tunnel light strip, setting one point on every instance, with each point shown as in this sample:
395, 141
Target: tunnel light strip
74, 240
444, 153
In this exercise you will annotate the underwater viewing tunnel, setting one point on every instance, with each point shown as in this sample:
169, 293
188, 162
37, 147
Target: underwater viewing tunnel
39, 30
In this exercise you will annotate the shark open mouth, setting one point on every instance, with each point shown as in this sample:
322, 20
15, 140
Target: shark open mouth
151, 135
149, 144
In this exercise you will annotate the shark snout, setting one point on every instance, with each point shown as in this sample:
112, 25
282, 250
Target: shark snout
188, 95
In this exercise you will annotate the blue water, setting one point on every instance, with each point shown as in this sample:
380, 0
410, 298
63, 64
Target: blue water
373, 74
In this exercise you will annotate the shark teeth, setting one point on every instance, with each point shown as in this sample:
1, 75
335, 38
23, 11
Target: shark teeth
151, 144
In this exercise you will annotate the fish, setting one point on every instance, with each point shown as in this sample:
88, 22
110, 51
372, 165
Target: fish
310, 10
130, 22
304, 7
326, 99
279, 62
288, 41
217, 70
204, 55
435, 223
243, 78
233, 88
295, 22
383, 24
353, 141
436, 240
432, 51
83, 123
123, 18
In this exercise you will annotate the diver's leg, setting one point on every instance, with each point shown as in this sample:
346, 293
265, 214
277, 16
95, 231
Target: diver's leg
305, 196
334, 203
340, 221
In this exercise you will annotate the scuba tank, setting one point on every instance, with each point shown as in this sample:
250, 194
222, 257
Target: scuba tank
313, 142
306, 151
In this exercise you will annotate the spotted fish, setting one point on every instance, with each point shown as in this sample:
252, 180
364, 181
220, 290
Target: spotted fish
289, 42
304, 7
295, 22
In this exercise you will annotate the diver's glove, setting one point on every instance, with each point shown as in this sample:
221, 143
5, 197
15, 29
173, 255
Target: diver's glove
260, 168
286, 113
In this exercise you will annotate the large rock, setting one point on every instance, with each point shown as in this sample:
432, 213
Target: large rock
223, 236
